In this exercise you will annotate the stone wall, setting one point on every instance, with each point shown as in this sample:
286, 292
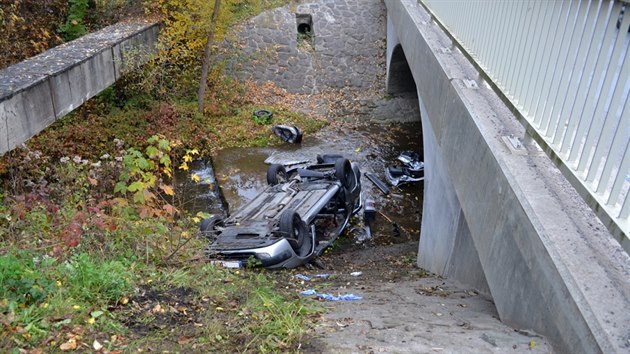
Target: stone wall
346, 54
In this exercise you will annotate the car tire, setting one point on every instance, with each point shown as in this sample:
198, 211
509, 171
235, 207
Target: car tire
263, 116
276, 173
343, 172
293, 228
206, 226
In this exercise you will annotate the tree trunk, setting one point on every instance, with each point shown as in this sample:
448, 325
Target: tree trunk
206, 57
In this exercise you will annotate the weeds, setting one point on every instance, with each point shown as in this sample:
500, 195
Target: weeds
95, 248
79, 233
74, 26
41, 296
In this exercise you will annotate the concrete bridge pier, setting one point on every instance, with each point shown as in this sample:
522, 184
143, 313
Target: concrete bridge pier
502, 220
444, 227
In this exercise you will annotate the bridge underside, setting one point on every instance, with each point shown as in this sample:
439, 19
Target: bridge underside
503, 221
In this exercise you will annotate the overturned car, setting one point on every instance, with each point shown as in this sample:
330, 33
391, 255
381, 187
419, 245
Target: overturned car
292, 221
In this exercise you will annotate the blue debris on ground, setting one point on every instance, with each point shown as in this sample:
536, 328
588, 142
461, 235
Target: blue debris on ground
330, 297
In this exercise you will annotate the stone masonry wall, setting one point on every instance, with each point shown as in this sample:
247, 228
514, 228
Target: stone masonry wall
347, 53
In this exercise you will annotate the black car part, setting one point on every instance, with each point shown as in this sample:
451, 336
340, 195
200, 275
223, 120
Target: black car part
288, 134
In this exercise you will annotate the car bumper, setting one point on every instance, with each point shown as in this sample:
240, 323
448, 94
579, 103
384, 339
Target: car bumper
276, 255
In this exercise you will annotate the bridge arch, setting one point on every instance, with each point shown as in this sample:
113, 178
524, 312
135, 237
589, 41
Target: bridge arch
399, 77
501, 221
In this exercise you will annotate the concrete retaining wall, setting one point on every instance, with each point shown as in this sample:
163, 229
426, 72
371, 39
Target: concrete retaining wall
506, 222
42, 89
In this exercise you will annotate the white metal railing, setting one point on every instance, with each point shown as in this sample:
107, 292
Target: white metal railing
565, 66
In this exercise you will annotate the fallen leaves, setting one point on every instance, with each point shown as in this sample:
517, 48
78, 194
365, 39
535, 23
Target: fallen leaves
168, 190
97, 345
124, 300
157, 308
71, 344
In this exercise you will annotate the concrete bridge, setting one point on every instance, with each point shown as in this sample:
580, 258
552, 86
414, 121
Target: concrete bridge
498, 215
40, 90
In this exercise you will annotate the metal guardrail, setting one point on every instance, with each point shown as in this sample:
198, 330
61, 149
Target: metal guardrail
564, 65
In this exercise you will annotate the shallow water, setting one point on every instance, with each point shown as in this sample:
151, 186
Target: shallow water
241, 172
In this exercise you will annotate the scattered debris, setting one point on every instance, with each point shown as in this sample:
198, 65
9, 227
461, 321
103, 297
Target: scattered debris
412, 160
356, 274
303, 277
262, 116
377, 182
329, 297
369, 213
395, 230
346, 297
401, 175
364, 233
411, 171
288, 134
307, 278
360, 234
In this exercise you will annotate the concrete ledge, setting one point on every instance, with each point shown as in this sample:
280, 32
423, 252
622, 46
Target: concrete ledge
510, 224
42, 89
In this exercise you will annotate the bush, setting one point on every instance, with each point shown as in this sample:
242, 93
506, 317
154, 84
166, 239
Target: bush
23, 282
74, 26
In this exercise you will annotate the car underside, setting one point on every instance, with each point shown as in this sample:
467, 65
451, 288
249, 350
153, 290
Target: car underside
292, 221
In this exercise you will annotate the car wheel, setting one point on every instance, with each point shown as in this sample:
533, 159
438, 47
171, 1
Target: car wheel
293, 228
206, 226
343, 172
276, 173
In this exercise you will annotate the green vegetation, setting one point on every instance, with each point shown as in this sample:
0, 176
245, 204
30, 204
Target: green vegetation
96, 250
74, 26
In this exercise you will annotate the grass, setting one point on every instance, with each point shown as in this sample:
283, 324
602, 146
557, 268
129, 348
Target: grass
81, 265
228, 309
41, 296
84, 266
46, 303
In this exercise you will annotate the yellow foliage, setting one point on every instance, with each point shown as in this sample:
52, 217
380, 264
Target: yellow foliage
168, 190
186, 24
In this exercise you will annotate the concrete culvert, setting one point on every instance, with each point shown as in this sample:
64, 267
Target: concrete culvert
304, 24
304, 28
